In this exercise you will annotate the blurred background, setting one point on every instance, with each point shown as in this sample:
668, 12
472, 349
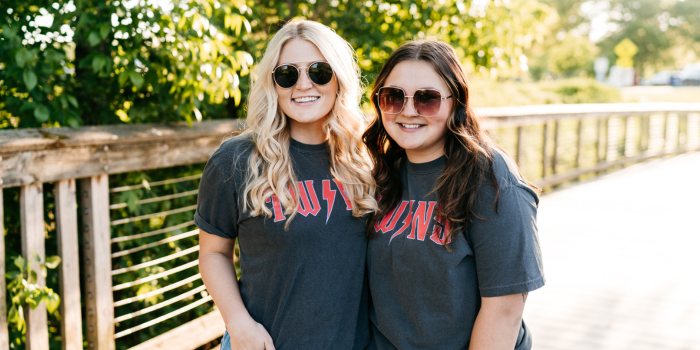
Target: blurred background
97, 62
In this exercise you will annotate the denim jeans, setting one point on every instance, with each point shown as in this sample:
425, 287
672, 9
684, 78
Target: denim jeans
225, 342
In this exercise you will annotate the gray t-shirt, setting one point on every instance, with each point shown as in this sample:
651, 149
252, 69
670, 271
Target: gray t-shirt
306, 286
425, 297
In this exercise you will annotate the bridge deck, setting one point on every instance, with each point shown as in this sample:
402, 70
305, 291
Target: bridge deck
622, 261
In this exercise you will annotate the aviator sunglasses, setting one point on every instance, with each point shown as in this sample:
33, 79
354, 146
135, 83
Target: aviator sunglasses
287, 75
426, 102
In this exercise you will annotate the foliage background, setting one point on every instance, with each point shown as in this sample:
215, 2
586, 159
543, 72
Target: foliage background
95, 62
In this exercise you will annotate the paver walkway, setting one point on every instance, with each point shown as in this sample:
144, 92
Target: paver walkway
622, 261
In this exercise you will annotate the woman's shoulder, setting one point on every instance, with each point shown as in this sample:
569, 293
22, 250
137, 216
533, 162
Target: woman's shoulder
506, 172
234, 151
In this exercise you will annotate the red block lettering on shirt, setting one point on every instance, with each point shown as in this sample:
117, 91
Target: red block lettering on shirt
421, 219
276, 208
439, 229
329, 196
387, 224
307, 207
406, 222
348, 204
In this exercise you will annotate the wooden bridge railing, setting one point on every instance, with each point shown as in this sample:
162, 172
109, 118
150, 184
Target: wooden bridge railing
552, 143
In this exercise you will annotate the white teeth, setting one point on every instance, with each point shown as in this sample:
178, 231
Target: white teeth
411, 126
305, 99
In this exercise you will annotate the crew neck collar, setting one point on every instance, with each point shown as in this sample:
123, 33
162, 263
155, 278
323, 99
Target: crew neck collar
304, 147
428, 167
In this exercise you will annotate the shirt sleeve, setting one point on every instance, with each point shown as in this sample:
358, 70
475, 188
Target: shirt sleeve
505, 243
217, 204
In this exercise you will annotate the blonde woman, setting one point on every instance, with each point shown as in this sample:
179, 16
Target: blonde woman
294, 190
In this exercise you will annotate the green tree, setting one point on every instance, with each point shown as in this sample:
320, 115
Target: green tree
571, 55
96, 62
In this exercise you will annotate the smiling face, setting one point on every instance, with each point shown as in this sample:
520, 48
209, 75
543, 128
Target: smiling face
306, 104
423, 138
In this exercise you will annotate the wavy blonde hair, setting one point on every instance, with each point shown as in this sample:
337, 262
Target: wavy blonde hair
270, 167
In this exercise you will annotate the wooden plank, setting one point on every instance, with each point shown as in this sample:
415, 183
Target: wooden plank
579, 143
206, 328
69, 269
556, 145
31, 202
643, 134
573, 174
98, 274
520, 148
625, 134
545, 153
78, 162
599, 141
4, 335
664, 133
56, 138
586, 109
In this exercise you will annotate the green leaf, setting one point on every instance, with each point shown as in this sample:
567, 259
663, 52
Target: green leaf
41, 113
98, 62
20, 58
72, 100
53, 261
52, 301
19, 262
73, 123
104, 31
136, 78
9, 32
32, 277
29, 79
123, 76
94, 38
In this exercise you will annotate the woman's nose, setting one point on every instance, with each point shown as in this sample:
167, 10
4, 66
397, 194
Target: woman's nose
304, 82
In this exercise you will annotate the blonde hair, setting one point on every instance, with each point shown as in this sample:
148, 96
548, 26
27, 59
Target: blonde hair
270, 167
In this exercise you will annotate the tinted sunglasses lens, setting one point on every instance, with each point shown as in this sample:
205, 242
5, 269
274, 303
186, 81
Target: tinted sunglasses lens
320, 73
286, 76
391, 100
427, 102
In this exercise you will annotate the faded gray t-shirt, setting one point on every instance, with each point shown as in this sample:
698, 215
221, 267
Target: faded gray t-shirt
307, 285
425, 297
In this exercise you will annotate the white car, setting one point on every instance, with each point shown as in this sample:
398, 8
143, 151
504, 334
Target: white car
690, 75
667, 77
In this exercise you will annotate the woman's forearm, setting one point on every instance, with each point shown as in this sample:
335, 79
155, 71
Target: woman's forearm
498, 323
219, 277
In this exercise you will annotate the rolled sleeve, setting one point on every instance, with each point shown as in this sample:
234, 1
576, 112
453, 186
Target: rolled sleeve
505, 242
217, 204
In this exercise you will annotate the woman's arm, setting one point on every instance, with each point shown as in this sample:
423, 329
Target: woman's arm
219, 276
498, 323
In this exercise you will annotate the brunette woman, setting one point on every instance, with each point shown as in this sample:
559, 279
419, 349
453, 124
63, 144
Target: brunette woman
293, 190
455, 249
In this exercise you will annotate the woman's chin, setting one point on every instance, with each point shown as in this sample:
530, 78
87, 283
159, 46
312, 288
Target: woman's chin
307, 118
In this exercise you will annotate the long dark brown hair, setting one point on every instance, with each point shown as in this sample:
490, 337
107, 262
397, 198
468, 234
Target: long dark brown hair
467, 145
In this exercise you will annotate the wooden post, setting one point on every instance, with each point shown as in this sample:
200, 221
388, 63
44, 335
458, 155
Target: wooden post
682, 137
625, 135
579, 143
664, 135
520, 155
31, 202
643, 132
556, 144
545, 156
69, 269
98, 263
599, 141
4, 335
